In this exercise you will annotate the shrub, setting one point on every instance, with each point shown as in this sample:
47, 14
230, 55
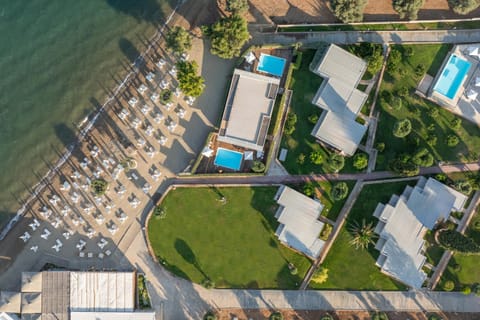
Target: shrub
320, 276
339, 191
336, 162
402, 92
178, 40
379, 316
463, 186
313, 118
290, 123
394, 59
316, 157
420, 70
166, 96
434, 316
408, 8
99, 187
276, 316
327, 229
452, 140
457, 267
423, 158
466, 290
258, 166
457, 242
463, 6
402, 128
308, 189
380, 147
456, 123
228, 35
210, 315
160, 212
432, 139
433, 112
237, 6
375, 61
408, 52
442, 177
406, 168
208, 284
449, 285
326, 317
476, 289
431, 127
396, 103
301, 158
188, 81
360, 161
348, 10
387, 96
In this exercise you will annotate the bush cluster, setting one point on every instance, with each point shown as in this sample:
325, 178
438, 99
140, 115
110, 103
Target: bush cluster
348, 10
457, 242
339, 191
290, 123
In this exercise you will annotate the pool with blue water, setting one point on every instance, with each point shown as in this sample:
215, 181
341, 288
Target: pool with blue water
452, 76
271, 65
228, 159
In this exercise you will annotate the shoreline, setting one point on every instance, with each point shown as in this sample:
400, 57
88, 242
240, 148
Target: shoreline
87, 123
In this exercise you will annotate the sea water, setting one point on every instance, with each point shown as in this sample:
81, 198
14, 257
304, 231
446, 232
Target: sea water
57, 59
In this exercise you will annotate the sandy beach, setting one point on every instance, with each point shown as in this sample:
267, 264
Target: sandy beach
65, 224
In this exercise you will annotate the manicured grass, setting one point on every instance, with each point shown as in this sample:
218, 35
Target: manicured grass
305, 84
467, 274
232, 244
416, 109
355, 269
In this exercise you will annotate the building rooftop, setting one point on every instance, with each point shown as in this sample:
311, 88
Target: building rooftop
339, 99
248, 109
112, 316
298, 217
341, 133
403, 223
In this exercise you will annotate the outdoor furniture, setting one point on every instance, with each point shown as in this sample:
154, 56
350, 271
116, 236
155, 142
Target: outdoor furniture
57, 222
121, 189
154, 97
102, 243
91, 233
150, 77
108, 252
34, 248
99, 219
162, 140
181, 112
136, 123
150, 152
122, 216
58, 245
158, 117
184, 56
160, 63
142, 88
171, 126
149, 131
173, 71
145, 109
146, 187
112, 228
81, 244
190, 100
65, 210
25, 237
177, 92
133, 101
76, 174
45, 234
65, 186
168, 105
45, 212
81, 254
34, 225
101, 255
90, 255
164, 84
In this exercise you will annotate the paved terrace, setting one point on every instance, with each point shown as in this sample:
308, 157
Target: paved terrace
351, 37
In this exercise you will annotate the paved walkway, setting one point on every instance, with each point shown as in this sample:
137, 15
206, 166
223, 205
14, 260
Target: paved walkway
350, 37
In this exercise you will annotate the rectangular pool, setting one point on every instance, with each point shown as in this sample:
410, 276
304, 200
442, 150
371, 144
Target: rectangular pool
271, 65
452, 76
228, 159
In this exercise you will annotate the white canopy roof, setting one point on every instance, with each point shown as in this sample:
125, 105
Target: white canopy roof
207, 152
477, 82
250, 57
473, 51
472, 94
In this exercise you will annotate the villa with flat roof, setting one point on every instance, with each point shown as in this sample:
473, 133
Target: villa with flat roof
299, 225
340, 99
248, 110
403, 223
456, 86
69, 295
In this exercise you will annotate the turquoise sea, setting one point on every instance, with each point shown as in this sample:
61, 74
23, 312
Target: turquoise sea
57, 57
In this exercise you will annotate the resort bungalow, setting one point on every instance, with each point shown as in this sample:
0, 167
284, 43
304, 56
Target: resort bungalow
248, 110
299, 225
340, 100
403, 223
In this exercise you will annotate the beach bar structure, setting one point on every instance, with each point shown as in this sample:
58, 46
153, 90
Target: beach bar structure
72, 295
403, 223
248, 110
339, 99
299, 225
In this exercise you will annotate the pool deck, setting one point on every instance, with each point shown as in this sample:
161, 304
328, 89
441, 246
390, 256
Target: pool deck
460, 104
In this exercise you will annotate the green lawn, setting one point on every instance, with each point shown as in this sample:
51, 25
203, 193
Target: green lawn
463, 270
232, 244
416, 109
355, 269
305, 84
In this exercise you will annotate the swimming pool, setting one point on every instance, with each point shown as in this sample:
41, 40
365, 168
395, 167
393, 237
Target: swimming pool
271, 65
452, 76
228, 159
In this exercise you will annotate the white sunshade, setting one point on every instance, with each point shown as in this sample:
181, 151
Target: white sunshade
250, 57
477, 82
472, 94
207, 152
473, 51
248, 155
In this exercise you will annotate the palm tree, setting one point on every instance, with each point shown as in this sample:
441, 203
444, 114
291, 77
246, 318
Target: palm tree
363, 235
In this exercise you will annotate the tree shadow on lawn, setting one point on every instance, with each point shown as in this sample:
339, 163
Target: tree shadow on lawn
187, 254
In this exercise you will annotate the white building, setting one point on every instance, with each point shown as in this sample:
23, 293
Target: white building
403, 223
299, 225
340, 100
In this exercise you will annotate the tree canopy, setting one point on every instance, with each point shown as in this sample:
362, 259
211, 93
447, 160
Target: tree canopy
228, 35
237, 6
360, 161
463, 6
408, 8
339, 191
336, 162
402, 128
178, 40
348, 10
189, 82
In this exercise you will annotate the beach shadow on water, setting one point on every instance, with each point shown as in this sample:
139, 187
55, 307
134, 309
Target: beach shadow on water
65, 134
128, 49
146, 10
